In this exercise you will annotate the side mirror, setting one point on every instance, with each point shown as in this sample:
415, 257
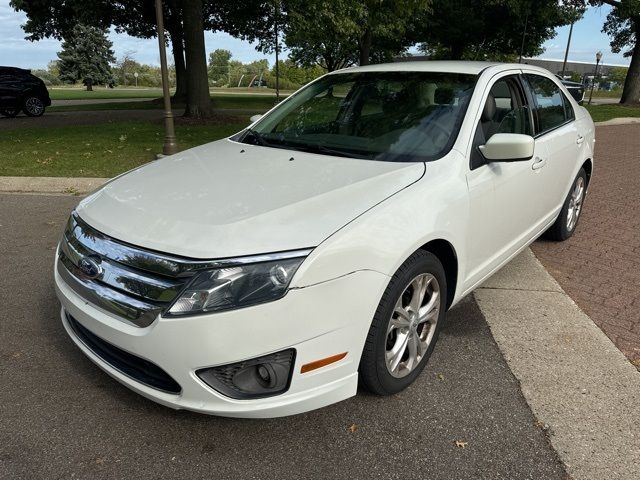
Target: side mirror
508, 147
255, 118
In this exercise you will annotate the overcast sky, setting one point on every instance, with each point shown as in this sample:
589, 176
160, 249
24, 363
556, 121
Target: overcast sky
16, 51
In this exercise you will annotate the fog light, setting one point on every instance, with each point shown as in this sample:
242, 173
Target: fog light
265, 375
256, 378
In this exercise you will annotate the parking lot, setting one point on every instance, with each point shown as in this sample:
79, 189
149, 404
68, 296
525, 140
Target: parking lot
62, 417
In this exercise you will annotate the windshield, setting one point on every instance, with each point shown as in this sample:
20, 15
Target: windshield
387, 116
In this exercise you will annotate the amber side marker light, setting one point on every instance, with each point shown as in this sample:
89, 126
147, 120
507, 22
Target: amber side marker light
322, 363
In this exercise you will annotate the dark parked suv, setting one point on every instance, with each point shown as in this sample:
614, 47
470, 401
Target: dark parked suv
20, 90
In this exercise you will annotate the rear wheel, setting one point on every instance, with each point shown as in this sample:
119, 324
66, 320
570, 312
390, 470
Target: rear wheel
567, 220
9, 112
405, 326
33, 106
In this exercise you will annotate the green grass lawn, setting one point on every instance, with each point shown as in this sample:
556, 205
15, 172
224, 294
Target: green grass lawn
96, 150
76, 93
259, 103
61, 93
91, 107
604, 93
601, 113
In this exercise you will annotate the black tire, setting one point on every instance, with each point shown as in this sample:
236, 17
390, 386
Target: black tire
9, 112
33, 106
373, 370
562, 229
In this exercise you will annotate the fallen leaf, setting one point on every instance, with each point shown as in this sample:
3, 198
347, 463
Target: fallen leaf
461, 444
440, 376
353, 428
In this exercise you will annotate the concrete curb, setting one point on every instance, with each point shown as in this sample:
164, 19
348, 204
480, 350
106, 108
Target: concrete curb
577, 383
618, 121
50, 185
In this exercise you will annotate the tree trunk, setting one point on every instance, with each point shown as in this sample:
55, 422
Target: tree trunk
89, 83
631, 91
365, 48
177, 47
198, 99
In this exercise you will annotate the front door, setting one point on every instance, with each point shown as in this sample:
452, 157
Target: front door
507, 207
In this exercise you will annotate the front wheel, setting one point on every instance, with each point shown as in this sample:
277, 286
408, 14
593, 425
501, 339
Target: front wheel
405, 326
567, 221
33, 106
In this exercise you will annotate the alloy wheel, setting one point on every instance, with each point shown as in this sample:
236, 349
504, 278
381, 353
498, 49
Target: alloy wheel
575, 204
412, 325
34, 106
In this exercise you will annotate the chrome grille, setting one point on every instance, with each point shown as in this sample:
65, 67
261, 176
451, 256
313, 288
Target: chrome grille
133, 283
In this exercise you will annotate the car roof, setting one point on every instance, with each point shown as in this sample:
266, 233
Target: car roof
442, 66
14, 69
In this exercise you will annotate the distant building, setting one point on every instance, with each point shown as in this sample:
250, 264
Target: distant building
585, 70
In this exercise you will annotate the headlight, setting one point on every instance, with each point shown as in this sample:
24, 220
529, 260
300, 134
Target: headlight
236, 286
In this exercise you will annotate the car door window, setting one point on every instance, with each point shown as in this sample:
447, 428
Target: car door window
505, 111
552, 108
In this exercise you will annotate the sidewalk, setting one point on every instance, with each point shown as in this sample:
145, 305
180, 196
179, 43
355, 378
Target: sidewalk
50, 185
577, 383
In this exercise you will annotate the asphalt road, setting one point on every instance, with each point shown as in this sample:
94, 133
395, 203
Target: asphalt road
62, 417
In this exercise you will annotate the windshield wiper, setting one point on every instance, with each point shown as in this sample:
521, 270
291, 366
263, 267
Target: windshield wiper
259, 139
341, 153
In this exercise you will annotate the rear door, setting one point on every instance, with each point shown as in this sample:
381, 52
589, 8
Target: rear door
556, 128
10, 88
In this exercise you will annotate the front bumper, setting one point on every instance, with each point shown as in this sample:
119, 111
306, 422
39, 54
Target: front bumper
317, 321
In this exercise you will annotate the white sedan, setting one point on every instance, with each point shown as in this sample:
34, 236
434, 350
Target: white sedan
265, 274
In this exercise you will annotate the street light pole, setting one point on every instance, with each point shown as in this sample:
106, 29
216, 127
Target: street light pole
275, 24
595, 74
169, 147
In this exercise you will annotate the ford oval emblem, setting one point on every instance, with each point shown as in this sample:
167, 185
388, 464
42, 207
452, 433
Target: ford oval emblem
89, 267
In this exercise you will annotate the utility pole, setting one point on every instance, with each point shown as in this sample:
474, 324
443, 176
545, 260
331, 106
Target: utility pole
524, 34
169, 147
566, 52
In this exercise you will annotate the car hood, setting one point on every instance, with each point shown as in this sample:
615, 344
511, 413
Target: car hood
227, 199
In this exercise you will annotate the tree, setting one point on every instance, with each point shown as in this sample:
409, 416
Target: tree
219, 66
623, 26
469, 29
198, 98
338, 33
85, 56
384, 25
316, 35
617, 74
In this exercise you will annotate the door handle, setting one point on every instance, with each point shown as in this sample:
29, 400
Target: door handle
580, 139
538, 163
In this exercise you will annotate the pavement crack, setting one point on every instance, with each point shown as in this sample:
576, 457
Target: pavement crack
522, 289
